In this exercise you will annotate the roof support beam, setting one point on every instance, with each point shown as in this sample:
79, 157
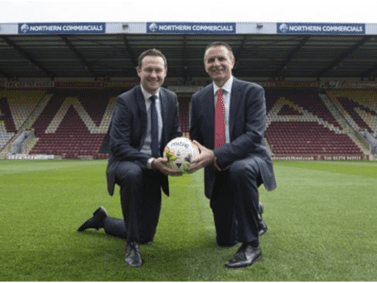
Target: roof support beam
130, 52
27, 56
291, 55
343, 56
79, 55
184, 60
239, 52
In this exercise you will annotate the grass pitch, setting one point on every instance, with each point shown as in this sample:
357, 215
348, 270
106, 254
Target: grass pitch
321, 222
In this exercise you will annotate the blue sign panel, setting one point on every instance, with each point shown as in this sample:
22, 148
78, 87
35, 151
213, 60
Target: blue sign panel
320, 28
61, 28
204, 28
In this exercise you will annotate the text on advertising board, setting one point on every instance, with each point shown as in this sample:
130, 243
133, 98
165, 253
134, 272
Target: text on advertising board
320, 28
216, 28
64, 28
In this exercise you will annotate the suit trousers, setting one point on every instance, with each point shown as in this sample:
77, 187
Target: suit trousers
235, 201
140, 196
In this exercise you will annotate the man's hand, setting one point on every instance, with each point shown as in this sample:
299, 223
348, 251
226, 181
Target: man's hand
205, 158
161, 165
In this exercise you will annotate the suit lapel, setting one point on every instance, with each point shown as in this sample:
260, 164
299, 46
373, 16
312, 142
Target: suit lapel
164, 106
234, 106
209, 110
143, 112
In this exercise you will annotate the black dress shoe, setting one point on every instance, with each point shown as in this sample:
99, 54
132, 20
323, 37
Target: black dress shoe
262, 226
96, 221
245, 256
133, 256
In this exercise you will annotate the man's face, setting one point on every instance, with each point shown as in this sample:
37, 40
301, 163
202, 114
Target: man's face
218, 63
152, 73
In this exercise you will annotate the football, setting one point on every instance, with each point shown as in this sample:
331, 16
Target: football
179, 152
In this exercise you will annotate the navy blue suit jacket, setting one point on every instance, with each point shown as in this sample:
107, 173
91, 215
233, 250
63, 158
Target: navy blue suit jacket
128, 130
247, 115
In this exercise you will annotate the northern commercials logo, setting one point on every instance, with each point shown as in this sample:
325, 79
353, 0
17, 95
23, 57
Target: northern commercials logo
153, 27
204, 28
24, 28
65, 28
320, 28
283, 28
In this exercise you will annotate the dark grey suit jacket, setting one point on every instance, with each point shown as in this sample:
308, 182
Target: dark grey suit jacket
247, 115
128, 127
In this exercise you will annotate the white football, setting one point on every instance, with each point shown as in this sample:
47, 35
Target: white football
179, 152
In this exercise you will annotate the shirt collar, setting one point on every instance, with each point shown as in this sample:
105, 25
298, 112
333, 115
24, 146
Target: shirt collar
147, 95
227, 87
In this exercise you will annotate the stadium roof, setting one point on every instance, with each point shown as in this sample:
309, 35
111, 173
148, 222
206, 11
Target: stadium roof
258, 55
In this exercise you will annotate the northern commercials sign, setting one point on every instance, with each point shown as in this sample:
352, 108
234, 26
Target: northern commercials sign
320, 28
61, 28
204, 28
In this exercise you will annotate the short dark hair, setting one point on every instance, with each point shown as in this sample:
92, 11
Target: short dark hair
219, 43
152, 52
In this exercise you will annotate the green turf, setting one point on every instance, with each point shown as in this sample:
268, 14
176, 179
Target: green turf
321, 221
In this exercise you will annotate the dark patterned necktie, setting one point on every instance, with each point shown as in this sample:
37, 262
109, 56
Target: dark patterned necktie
154, 127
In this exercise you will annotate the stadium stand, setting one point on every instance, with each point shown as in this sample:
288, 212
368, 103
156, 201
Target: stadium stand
15, 108
184, 113
308, 138
6, 116
299, 123
359, 107
74, 123
69, 123
305, 101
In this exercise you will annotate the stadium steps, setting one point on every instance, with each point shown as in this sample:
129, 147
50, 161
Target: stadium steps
30, 144
360, 143
335, 112
5, 137
22, 103
358, 107
37, 111
350, 127
29, 121
369, 119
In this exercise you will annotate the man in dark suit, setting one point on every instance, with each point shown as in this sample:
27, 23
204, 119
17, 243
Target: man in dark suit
228, 125
144, 121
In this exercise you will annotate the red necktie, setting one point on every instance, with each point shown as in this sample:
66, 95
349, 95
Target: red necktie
220, 120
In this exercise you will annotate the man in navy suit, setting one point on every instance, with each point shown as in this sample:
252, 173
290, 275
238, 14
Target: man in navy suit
144, 121
236, 166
